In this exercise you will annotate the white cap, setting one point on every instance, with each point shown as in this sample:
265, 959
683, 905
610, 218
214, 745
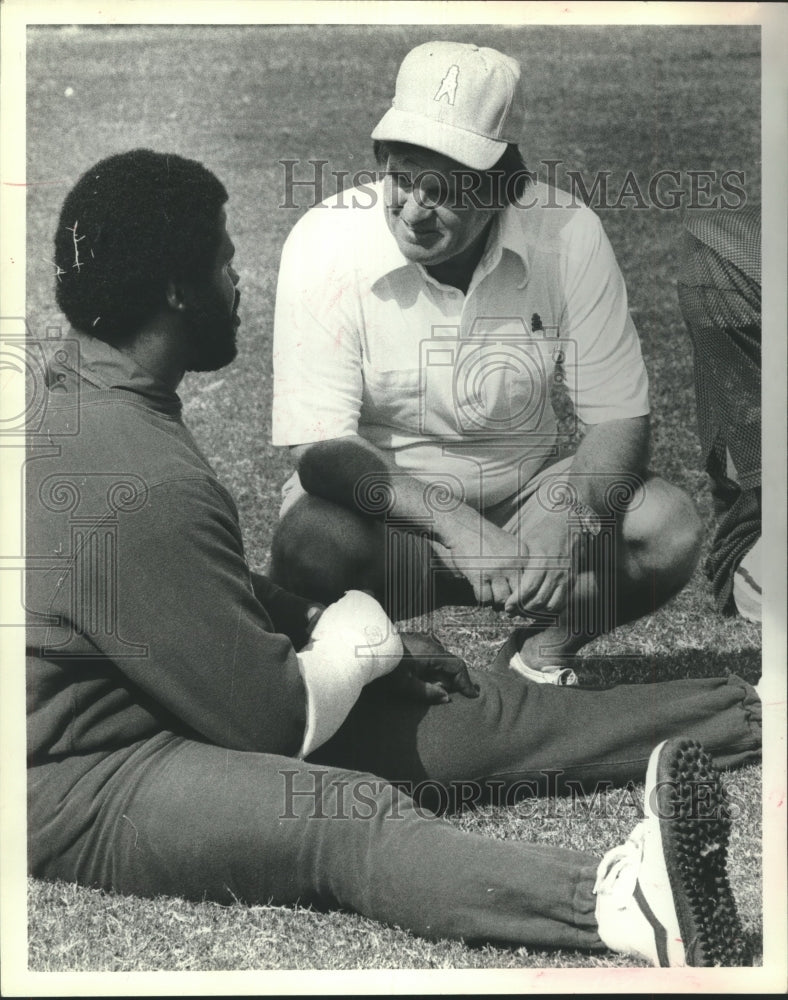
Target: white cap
457, 99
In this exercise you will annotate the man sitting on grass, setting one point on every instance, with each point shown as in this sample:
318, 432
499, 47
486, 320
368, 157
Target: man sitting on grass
196, 731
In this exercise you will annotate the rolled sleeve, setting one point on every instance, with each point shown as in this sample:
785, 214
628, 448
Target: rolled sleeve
318, 380
607, 379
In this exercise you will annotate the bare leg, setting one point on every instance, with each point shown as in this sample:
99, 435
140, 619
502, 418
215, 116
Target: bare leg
321, 549
656, 549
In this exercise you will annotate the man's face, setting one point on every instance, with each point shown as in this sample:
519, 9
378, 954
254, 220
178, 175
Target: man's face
429, 209
212, 310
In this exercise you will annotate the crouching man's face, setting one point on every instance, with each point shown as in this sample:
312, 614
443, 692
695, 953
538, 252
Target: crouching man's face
432, 210
212, 309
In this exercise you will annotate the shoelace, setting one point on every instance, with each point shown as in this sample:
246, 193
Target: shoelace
618, 870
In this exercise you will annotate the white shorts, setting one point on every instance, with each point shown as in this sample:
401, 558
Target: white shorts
520, 512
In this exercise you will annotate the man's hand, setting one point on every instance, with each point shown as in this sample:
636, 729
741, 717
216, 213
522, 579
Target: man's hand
427, 673
490, 559
544, 584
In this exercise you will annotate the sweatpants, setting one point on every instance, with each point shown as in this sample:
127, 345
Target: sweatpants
349, 827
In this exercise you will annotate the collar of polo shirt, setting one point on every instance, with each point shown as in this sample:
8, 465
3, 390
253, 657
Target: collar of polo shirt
503, 236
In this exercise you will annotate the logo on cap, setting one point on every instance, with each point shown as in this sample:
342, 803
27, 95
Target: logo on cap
448, 87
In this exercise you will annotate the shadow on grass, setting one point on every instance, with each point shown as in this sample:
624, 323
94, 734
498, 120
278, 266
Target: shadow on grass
648, 668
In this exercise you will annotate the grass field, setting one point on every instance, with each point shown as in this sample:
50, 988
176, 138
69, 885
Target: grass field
242, 98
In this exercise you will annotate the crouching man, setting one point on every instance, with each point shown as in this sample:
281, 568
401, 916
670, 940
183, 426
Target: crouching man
421, 335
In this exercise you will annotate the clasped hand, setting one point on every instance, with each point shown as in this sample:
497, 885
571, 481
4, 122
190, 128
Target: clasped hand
510, 574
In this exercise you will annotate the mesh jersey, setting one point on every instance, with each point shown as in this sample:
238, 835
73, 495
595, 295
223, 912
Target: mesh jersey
720, 297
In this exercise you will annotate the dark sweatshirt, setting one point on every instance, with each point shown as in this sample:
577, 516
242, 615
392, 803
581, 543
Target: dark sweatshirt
143, 616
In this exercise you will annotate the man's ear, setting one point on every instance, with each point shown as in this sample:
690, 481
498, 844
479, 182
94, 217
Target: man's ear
176, 295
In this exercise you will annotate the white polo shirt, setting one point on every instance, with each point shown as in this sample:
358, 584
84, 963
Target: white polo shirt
455, 387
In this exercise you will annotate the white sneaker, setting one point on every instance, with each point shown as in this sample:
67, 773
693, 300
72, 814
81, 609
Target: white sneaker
509, 658
664, 894
562, 676
747, 585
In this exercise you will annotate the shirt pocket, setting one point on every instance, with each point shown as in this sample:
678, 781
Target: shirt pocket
500, 387
392, 398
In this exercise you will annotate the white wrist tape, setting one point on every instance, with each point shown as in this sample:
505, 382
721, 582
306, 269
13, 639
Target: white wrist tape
353, 643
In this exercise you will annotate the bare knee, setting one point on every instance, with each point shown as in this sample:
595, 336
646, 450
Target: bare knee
664, 533
320, 550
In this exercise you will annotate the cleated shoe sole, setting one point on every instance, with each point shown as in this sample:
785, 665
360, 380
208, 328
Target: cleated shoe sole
684, 792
